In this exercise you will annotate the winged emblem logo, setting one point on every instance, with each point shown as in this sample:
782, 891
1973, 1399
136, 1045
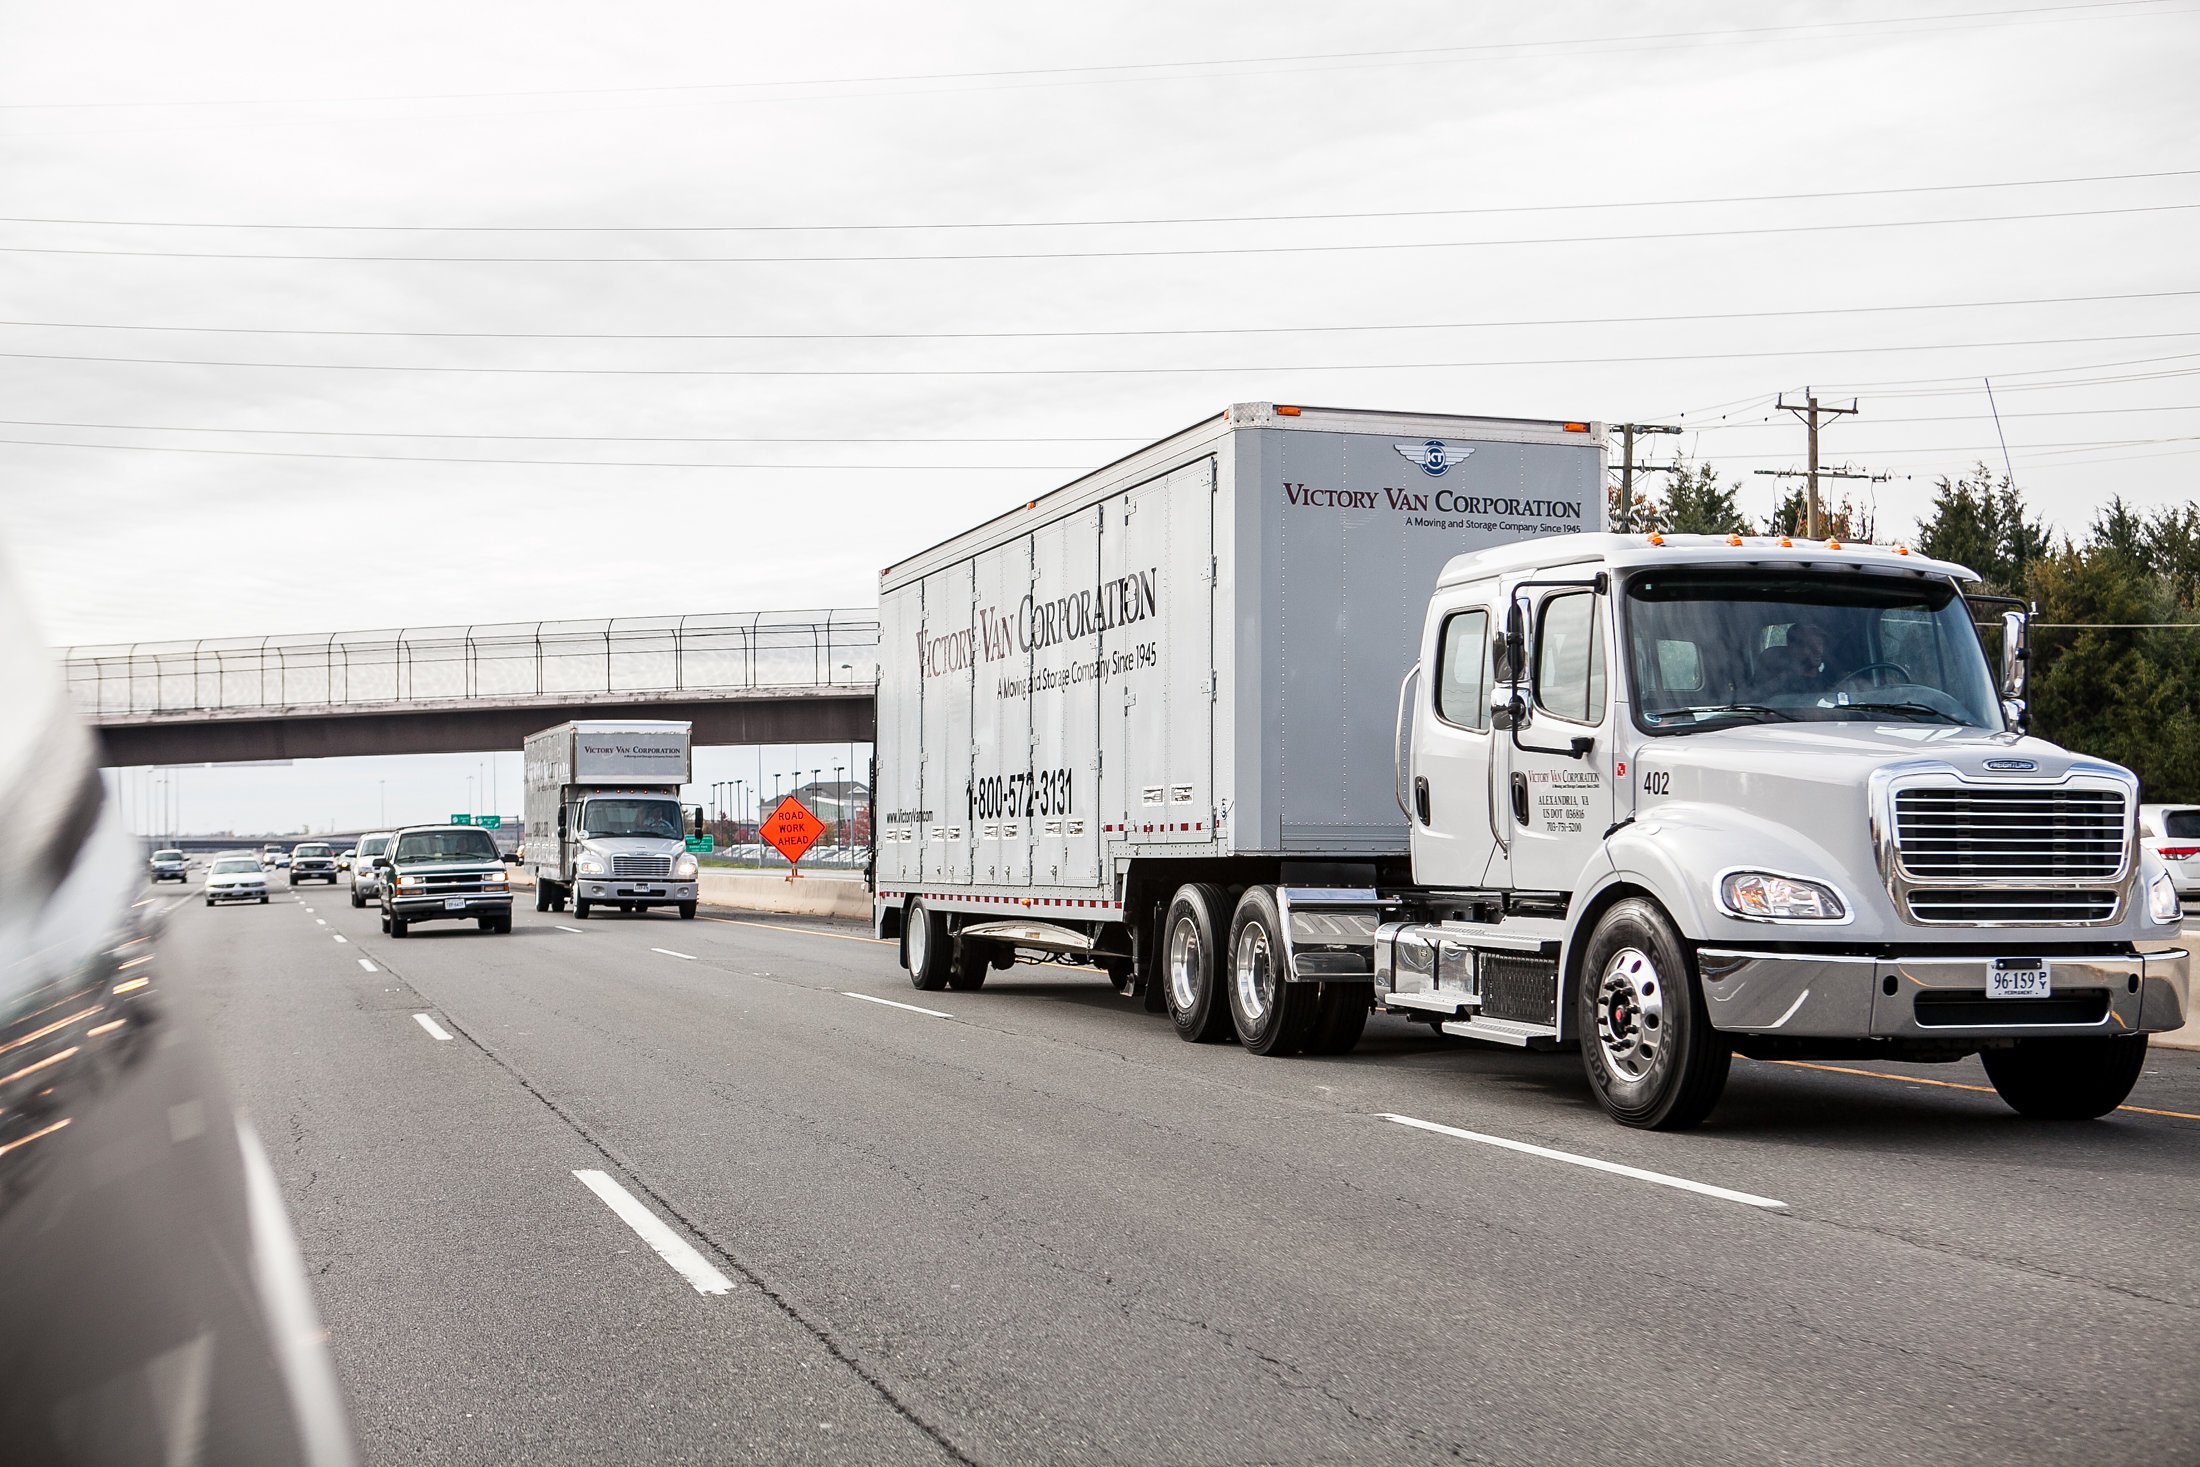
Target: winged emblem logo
1433, 456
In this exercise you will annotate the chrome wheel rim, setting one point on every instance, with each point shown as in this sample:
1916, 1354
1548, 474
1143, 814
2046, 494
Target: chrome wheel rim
1255, 973
920, 938
1631, 1013
1184, 961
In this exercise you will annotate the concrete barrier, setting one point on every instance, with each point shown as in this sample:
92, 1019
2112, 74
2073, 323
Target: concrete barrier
840, 894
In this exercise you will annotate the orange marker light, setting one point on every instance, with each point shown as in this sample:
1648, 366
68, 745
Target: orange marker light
1733, 539
1902, 550
1832, 544
1575, 427
1656, 538
1786, 543
1287, 412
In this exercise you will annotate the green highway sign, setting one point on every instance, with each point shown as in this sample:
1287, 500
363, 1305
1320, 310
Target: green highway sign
703, 843
489, 822
462, 820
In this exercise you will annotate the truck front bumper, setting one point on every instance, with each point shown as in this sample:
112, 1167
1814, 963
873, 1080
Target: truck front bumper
1934, 996
634, 893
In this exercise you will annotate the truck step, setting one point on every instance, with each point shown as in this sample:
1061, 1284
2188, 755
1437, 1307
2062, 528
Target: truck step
1503, 1031
1434, 1003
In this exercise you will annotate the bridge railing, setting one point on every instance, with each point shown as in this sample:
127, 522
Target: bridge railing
511, 661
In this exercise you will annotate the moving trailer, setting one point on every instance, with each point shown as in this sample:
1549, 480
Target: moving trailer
1233, 722
604, 824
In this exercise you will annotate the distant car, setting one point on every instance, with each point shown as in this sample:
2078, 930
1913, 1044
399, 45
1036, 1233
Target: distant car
366, 877
444, 873
2173, 833
312, 861
343, 857
170, 866
269, 853
235, 879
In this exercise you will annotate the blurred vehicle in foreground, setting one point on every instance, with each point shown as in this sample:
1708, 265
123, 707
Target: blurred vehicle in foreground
170, 866
153, 1307
235, 879
312, 861
2173, 833
366, 877
444, 873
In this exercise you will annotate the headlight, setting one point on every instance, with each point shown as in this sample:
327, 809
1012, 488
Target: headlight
495, 883
590, 866
409, 880
1767, 897
684, 868
2162, 903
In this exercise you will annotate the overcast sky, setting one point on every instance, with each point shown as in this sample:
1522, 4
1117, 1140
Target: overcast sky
628, 237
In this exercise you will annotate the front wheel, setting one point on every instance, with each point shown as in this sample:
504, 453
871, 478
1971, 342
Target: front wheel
263, 898
357, 900
580, 910
928, 949
1652, 1057
1192, 962
399, 927
687, 911
2066, 1079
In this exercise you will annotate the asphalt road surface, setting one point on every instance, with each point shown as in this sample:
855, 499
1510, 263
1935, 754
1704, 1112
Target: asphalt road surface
1029, 1224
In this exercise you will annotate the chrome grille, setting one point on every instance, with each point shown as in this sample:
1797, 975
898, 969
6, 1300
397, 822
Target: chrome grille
644, 868
1963, 833
2000, 904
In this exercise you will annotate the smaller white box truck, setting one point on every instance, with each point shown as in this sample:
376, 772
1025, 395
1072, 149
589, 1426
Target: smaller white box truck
604, 823
1303, 711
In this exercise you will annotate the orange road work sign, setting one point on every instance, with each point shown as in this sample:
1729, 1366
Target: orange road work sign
791, 829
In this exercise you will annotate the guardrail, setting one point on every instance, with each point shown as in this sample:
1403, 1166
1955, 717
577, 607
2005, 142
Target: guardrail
615, 658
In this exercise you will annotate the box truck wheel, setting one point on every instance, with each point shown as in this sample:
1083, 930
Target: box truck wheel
1272, 1014
973, 960
1192, 936
1652, 1056
928, 949
580, 909
2066, 1079
1340, 1017
542, 895
687, 911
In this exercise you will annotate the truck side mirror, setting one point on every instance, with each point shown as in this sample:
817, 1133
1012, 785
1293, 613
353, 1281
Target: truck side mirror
380, 862
1512, 646
2016, 659
561, 820
698, 820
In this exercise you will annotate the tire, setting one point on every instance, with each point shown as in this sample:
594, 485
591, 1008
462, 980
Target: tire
687, 911
580, 909
357, 900
399, 926
1192, 935
263, 898
542, 896
2066, 1079
1340, 1018
293, 883
973, 960
928, 949
486, 924
504, 923
1272, 1014
385, 921
210, 901
1647, 1044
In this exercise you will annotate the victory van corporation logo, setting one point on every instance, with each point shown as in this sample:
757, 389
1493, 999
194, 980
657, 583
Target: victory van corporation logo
1434, 456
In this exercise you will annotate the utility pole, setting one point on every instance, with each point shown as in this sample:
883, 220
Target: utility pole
1627, 432
1810, 412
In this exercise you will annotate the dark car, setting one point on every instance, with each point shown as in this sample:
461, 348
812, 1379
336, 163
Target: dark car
444, 873
153, 1307
312, 861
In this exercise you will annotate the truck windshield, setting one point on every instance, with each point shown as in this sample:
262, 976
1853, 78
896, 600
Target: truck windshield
655, 819
1713, 648
444, 845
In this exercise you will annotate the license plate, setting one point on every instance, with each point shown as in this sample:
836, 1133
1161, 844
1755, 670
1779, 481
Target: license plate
2017, 978
458, 904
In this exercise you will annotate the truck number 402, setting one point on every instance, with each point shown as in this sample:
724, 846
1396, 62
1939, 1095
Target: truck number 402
1657, 782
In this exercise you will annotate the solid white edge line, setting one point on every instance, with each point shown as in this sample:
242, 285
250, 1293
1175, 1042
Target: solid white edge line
890, 1003
667, 1244
668, 952
368, 966
1748, 1199
434, 1029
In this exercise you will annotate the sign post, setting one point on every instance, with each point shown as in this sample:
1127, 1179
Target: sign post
791, 830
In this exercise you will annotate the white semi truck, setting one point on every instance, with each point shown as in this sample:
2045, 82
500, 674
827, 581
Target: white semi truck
1301, 712
604, 823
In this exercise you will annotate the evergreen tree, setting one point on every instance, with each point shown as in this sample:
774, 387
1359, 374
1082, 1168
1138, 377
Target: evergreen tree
1846, 521
1698, 504
1980, 523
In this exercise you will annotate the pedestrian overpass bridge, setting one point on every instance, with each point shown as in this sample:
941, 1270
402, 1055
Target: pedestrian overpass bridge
775, 677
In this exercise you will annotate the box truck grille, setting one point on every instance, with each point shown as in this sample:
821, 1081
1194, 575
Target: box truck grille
641, 868
1967, 834
1998, 904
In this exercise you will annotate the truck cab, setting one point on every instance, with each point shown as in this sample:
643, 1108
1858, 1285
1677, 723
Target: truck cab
1673, 798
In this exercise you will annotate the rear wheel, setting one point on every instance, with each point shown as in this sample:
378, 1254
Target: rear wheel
542, 896
1652, 1057
1339, 1018
687, 911
973, 960
1272, 1014
928, 949
1192, 937
2066, 1079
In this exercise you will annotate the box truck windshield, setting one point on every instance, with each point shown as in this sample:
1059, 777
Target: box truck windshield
627, 816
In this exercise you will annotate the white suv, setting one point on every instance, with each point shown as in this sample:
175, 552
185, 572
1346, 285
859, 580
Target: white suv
2173, 833
366, 881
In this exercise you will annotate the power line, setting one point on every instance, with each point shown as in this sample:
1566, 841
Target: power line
1248, 369
1156, 221
836, 438
584, 463
1418, 53
1114, 333
1847, 226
